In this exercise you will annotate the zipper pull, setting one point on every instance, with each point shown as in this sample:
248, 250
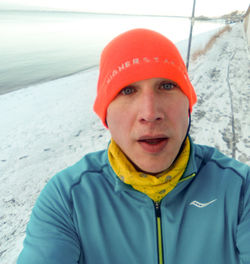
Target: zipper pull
157, 209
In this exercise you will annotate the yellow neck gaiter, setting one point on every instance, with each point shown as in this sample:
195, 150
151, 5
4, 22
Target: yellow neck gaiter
156, 187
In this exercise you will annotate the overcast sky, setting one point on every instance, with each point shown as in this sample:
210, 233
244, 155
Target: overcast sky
157, 7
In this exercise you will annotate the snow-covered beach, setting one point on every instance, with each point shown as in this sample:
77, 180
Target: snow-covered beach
49, 126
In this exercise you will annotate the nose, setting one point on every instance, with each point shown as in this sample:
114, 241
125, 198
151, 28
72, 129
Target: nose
150, 108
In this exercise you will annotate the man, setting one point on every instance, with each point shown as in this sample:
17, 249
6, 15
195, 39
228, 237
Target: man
153, 196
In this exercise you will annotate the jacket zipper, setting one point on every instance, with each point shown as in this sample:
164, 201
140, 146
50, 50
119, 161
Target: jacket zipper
159, 233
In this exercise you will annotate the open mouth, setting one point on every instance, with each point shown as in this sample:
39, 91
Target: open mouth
153, 145
153, 141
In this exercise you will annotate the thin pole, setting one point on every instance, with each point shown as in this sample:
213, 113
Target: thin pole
190, 35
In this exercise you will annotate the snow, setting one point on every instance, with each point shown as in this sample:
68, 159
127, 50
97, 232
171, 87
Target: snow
222, 83
45, 129
49, 126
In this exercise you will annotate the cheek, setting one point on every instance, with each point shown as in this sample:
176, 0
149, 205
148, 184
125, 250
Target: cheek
120, 115
119, 128
184, 120
111, 119
117, 120
179, 114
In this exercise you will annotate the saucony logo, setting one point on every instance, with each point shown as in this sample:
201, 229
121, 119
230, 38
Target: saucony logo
201, 205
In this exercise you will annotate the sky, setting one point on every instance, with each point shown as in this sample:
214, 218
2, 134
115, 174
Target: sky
156, 7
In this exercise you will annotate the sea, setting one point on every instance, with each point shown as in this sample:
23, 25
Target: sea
39, 46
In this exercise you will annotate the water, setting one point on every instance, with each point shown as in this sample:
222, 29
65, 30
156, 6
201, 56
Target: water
41, 46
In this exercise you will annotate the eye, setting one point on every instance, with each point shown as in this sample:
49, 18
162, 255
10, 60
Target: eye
168, 85
127, 90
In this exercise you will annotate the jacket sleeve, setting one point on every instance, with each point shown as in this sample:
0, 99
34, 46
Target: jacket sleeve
51, 237
243, 232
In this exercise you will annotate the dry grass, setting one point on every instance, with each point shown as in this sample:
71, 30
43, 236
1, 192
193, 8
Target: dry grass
210, 43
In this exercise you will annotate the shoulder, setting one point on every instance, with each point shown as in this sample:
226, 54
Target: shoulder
86, 172
213, 159
223, 175
93, 162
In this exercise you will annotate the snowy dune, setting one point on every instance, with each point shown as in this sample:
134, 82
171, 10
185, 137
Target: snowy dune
47, 127
222, 82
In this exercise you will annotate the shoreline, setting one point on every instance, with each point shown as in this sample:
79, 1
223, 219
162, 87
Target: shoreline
8, 90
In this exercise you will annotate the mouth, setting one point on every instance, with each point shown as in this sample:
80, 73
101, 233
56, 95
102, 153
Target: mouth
152, 141
153, 144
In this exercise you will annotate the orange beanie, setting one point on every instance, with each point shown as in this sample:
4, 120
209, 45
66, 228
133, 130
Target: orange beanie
136, 55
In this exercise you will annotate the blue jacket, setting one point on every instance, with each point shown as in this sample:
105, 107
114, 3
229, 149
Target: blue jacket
86, 215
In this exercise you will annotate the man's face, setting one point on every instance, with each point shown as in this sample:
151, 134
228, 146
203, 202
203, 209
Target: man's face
149, 120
